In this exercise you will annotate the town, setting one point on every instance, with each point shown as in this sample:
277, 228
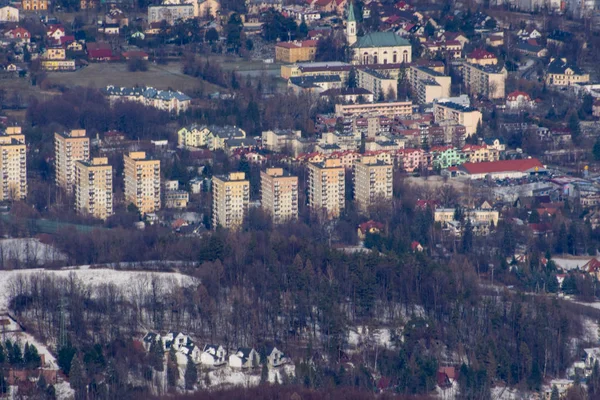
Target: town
358, 197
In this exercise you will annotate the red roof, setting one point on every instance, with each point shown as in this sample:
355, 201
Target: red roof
67, 39
481, 54
367, 226
502, 166
514, 95
100, 53
414, 245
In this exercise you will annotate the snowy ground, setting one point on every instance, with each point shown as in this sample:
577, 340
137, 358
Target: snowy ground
227, 377
128, 280
24, 337
361, 335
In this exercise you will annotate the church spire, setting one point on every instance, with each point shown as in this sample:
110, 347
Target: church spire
351, 25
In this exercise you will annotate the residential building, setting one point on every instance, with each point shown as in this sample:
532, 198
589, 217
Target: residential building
475, 153
488, 81
176, 198
13, 164
379, 84
9, 14
166, 100
388, 109
279, 194
518, 101
69, 147
381, 48
231, 196
34, 5
292, 52
58, 65
372, 182
314, 83
192, 136
170, 13
218, 136
278, 141
18, 34
427, 84
349, 95
316, 68
563, 73
142, 182
469, 117
244, 358
446, 156
326, 188
450, 48
94, 188
482, 57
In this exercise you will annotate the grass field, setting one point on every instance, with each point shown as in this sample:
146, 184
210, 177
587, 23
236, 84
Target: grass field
100, 75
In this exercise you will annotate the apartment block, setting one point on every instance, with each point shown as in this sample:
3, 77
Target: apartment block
142, 182
326, 188
427, 84
387, 109
292, 52
13, 164
69, 147
377, 82
372, 182
488, 81
231, 196
94, 188
279, 194
468, 117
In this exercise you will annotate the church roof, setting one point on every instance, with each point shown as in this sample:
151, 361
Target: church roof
351, 17
381, 39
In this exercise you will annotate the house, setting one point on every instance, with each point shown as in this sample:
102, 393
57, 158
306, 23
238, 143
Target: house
482, 57
100, 51
292, 52
135, 54
192, 351
518, 101
369, 227
176, 340
275, 357
495, 40
244, 357
592, 267
34, 5
55, 32
531, 49
9, 14
563, 73
416, 247
150, 338
529, 33
213, 355
19, 34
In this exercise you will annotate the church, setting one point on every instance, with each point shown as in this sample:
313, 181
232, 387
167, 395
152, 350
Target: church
376, 47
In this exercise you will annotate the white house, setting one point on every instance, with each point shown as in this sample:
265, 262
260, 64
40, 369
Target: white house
518, 101
591, 356
275, 357
193, 352
177, 340
244, 358
149, 339
213, 355
9, 14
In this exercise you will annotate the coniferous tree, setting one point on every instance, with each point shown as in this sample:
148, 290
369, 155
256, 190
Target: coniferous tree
172, 369
15, 357
3, 383
191, 374
157, 355
264, 374
77, 378
467, 239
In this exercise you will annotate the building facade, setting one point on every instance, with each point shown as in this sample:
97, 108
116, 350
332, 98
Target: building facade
94, 188
372, 182
427, 84
231, 196
34, 5
387, 109
279, 194
142, 182
326, 188
13, 164
170, 13
69, 147
381, 48
488, 81
468, 117
377, 83
292, 52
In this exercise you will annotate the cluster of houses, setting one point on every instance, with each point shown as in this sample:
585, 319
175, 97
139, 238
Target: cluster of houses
213, 356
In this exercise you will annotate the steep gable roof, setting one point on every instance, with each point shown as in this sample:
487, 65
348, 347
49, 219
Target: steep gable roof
380, 39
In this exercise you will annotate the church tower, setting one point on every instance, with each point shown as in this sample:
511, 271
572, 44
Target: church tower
351, 26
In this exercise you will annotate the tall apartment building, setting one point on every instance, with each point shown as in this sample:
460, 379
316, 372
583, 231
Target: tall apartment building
468, 117
94, 188
427, 84
231, 196
142, 182
69, 147
372, 182
279, 194
326, 188
13, 164
488, 81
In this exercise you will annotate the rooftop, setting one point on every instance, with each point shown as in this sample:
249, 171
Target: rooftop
380, 39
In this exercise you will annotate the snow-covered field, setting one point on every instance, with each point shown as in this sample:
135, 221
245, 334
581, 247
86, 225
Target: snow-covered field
228, 377
130, 281
362, 335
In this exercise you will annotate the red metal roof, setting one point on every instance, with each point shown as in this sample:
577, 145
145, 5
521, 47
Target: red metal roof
502, 166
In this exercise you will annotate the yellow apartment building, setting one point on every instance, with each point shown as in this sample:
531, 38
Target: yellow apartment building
94, 188
69, 147
292, 52
231, 196
326, 188
142, 182
372, 182
279, 194
13, 164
